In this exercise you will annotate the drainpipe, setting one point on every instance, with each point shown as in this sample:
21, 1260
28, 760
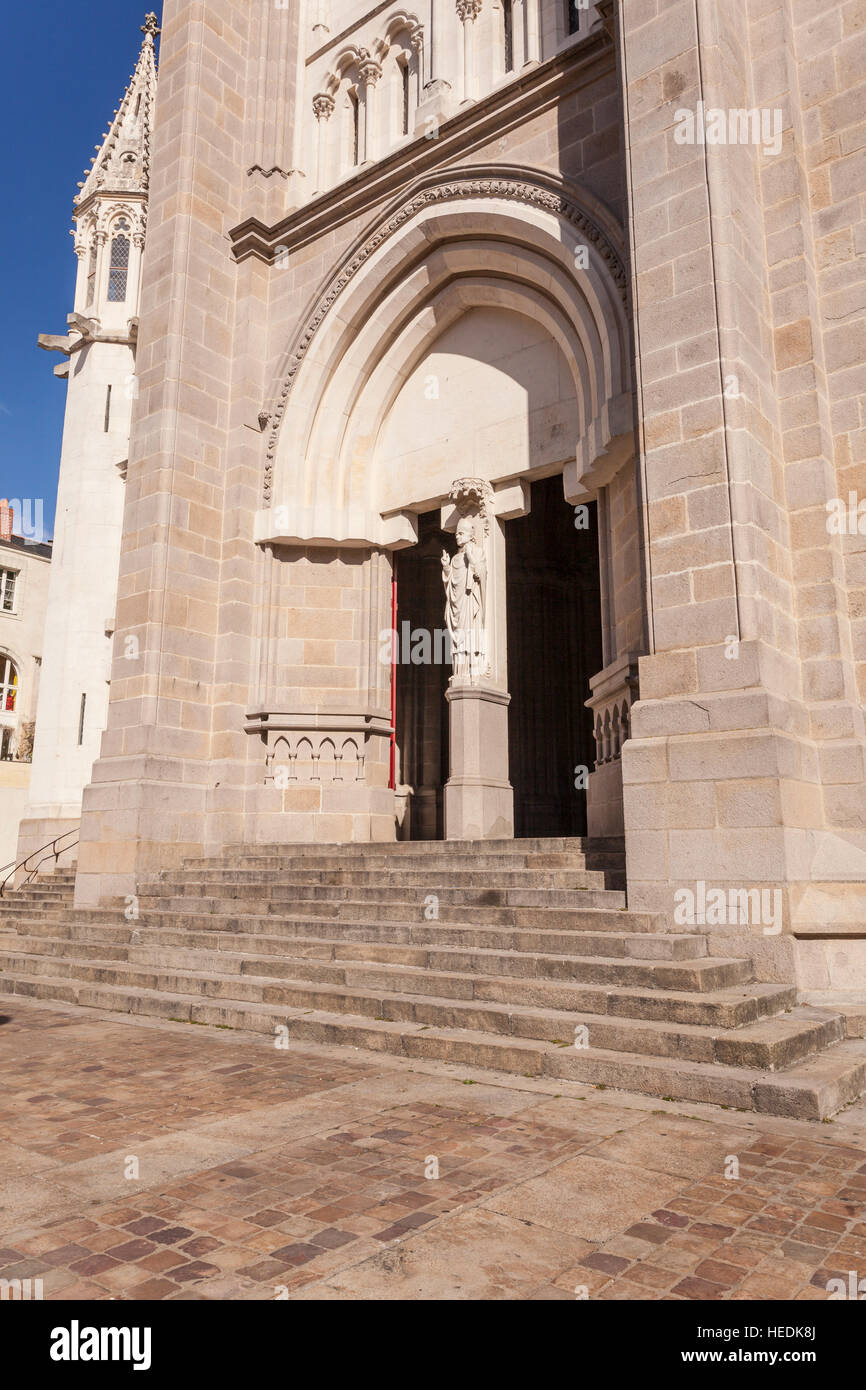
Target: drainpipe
392, 781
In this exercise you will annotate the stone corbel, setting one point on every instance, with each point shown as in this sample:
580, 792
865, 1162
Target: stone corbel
326, 525
605, 446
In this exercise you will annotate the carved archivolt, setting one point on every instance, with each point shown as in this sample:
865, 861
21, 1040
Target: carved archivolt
461, 185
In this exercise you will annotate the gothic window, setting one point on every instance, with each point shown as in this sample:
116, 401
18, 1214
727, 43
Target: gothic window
91, 271
508, 18
574, 8
355, 127
8, 580
118, 272
8, 685
404, 73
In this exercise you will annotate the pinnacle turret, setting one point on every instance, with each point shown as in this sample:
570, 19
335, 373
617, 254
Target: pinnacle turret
122, 161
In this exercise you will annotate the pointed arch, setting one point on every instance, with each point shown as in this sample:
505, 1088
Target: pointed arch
511, 238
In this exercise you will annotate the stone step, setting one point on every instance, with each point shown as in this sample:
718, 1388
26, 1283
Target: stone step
235, 918
697, 975
578, 940
392, 929
57, 938
359, 850
227, 910
409, 970
771, 1044
815, 1088
424, 880
249, 896
517, 863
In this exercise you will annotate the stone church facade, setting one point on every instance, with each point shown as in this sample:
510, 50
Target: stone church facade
533, 322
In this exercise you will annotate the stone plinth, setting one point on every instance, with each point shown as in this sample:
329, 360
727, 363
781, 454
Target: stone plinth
479, 800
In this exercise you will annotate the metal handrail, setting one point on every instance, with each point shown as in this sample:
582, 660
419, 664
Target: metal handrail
49, 851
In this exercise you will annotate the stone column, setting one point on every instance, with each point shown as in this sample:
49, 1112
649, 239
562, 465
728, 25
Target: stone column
532, 47
417, 41
371, 70
436, 101
321, 24
323, 109
479, 800
518, 34
468, 11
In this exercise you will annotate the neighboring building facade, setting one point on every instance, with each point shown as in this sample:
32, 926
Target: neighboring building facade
452, 294
99, 368
24, 576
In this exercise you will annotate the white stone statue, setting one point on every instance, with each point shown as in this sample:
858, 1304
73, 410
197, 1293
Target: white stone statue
465, 578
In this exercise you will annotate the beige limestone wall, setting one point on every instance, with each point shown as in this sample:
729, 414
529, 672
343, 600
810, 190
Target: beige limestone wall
752, 672
223, 625
147, 803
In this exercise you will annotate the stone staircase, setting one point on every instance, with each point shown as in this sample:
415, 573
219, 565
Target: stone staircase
492, 955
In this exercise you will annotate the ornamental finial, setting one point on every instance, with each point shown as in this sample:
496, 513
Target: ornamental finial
150, 27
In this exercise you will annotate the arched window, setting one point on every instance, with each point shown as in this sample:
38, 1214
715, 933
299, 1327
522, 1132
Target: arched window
118, 272
406, 94
354, 128
8, 684
508, 21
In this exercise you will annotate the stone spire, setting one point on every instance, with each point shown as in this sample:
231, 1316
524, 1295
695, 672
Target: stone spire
121, 164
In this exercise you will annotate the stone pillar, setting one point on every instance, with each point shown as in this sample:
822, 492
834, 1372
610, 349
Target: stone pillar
468, 11
275, 178
747, 716
479, 800
532, 47
518, 34
417, 42
148, 801
436, 100
323, 108
370, 70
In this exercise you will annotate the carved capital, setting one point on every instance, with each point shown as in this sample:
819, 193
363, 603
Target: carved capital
473, 496
369, 67
323, 106
468, 10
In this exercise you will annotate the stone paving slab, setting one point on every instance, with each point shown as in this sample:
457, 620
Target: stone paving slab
308, 1172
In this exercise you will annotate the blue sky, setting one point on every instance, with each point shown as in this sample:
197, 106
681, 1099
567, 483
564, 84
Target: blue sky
66, 65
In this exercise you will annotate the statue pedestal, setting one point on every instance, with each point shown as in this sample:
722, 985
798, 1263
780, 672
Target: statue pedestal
479, 799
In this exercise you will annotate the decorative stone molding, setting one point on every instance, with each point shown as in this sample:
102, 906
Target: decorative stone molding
316, 747
461, 184
614, 691
323, 106
369, 67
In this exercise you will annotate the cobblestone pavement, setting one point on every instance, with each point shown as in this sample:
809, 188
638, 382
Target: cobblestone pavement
311, 1172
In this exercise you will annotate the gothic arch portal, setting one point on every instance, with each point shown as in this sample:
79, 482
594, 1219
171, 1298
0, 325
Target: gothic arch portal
517, 241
